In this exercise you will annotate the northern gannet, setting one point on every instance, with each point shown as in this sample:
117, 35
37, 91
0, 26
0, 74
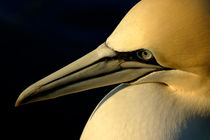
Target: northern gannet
160, 51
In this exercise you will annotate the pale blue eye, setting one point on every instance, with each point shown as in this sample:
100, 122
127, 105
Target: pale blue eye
144, 54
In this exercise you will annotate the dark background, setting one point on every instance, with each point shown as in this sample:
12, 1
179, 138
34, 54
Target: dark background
38, 37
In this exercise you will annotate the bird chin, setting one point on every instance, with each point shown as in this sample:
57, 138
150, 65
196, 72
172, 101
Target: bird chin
156, 77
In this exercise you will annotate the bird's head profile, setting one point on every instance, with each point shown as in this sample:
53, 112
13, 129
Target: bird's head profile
167, 28
177, 34
159, 41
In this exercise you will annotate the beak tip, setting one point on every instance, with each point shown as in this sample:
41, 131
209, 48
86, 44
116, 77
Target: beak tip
25, 96
18, 102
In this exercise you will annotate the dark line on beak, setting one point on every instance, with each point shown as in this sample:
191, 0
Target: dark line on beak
100, 60
120, 87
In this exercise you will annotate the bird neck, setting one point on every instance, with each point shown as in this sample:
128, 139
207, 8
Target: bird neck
146, 111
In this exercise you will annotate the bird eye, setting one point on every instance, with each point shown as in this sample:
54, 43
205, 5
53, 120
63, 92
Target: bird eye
144, 54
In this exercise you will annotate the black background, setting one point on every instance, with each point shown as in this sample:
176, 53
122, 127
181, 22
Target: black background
38, 37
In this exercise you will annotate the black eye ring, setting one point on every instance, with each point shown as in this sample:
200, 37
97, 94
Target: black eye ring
144, 54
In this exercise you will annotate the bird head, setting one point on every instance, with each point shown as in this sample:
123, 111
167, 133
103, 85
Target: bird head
158, 41
168, 29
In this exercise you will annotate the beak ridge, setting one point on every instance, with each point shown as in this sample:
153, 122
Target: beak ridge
91, 71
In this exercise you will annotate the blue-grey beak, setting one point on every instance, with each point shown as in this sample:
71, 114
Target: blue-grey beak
98, 68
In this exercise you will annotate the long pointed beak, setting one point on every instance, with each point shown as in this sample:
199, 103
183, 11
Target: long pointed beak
98, 68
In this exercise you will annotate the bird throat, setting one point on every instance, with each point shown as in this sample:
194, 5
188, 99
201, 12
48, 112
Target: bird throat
147, 112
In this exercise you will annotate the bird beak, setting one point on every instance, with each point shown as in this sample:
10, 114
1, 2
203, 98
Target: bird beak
98, 68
